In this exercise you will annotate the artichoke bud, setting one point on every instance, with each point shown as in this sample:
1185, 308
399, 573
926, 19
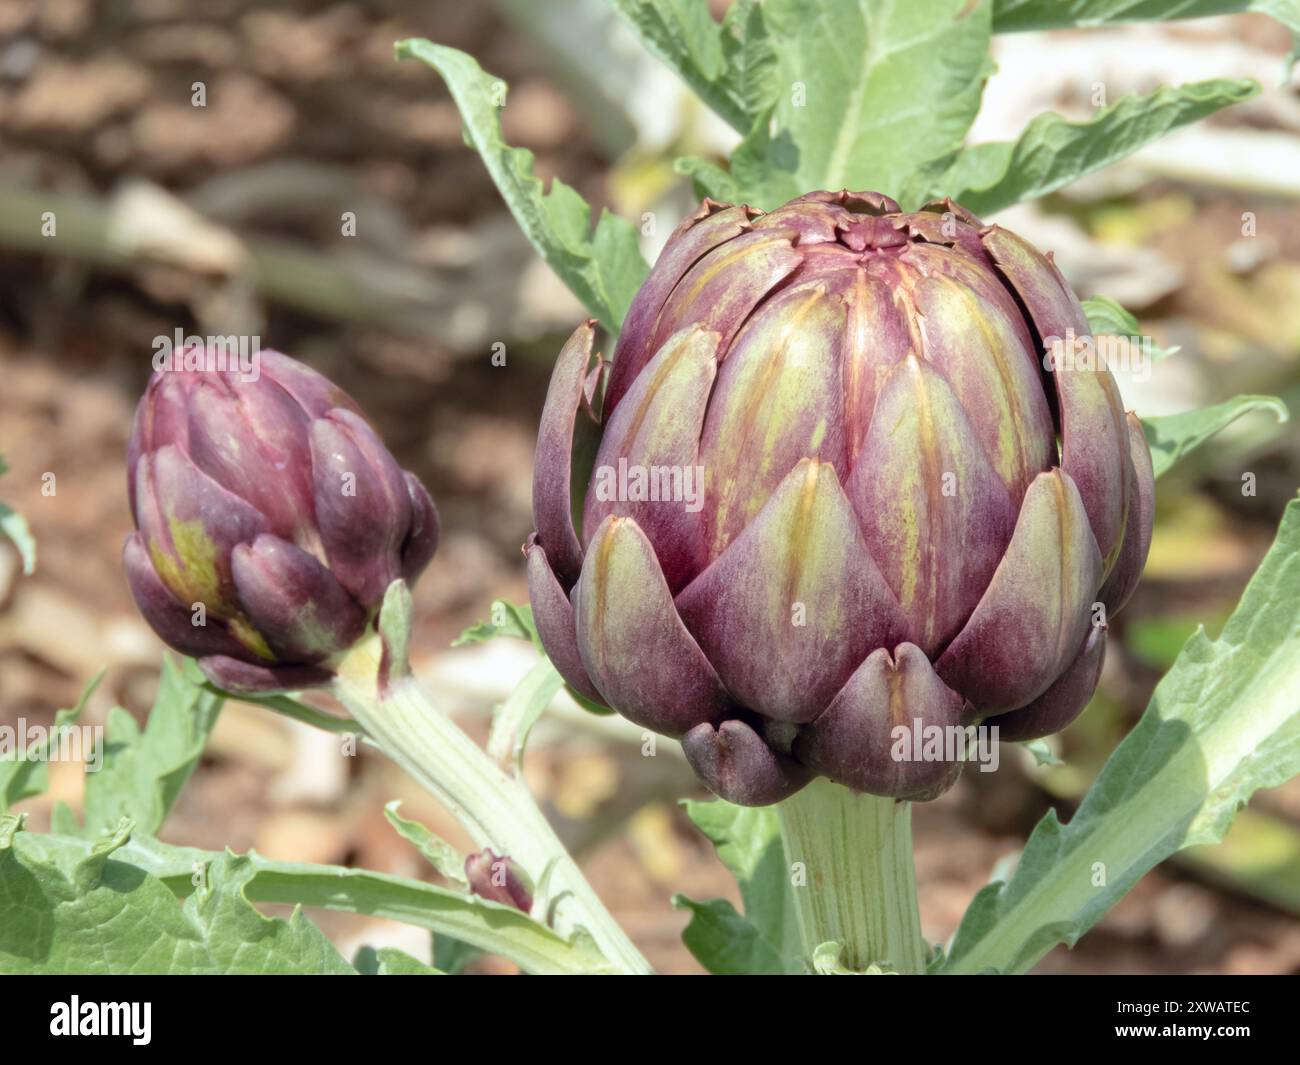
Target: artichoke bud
837, 484
270, 521
500, 879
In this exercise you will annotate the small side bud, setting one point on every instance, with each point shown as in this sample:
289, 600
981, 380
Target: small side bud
497, 877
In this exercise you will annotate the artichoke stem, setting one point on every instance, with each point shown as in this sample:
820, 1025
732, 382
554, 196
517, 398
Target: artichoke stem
852, 877
495, 806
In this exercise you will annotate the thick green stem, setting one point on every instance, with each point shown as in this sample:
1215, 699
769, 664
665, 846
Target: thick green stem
854, 882
494, 805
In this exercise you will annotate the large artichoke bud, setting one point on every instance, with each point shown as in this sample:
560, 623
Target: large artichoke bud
886, 534
271, 519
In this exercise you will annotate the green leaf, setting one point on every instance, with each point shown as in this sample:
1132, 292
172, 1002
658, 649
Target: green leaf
1010, 16
439, 853
182, 869
143, 772
14, 526
489, 926
725, 943
1224, 722
69, 906
1108, 318
294, 708
708, 179
1052, 152
729, 66
505, 619
451, 956
26, 773
514, 719
605, 268
394, 628
868, 93
748, 842
750, 59
1172, 437
389, 961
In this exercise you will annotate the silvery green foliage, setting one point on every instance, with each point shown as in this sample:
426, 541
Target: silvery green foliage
103, 896
1223, 723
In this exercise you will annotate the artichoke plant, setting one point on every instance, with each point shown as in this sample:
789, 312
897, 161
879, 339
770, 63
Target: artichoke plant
270, 521
843, 474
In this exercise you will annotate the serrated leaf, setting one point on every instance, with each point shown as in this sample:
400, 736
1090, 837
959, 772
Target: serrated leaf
868, 92
1172, 437
748, 842
1011, 16
1107, 318
603, 268
25, 773
1052, 151
750, 59
1224, 722
708, 179
69, 906
728, 66
508, 619
294, 708
449, 862
726, 943
475, 921
143, 771
505, 619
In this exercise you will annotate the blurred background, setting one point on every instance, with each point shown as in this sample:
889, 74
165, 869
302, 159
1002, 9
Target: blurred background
226, 219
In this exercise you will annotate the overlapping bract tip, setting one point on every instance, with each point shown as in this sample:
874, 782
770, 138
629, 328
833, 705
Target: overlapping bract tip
838, 482
270, 520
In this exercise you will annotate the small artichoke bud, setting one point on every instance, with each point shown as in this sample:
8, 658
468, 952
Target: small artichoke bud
499, 878
270, 521
847, 475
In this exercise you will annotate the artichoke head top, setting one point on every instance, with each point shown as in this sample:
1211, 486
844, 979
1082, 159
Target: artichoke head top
845, 473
